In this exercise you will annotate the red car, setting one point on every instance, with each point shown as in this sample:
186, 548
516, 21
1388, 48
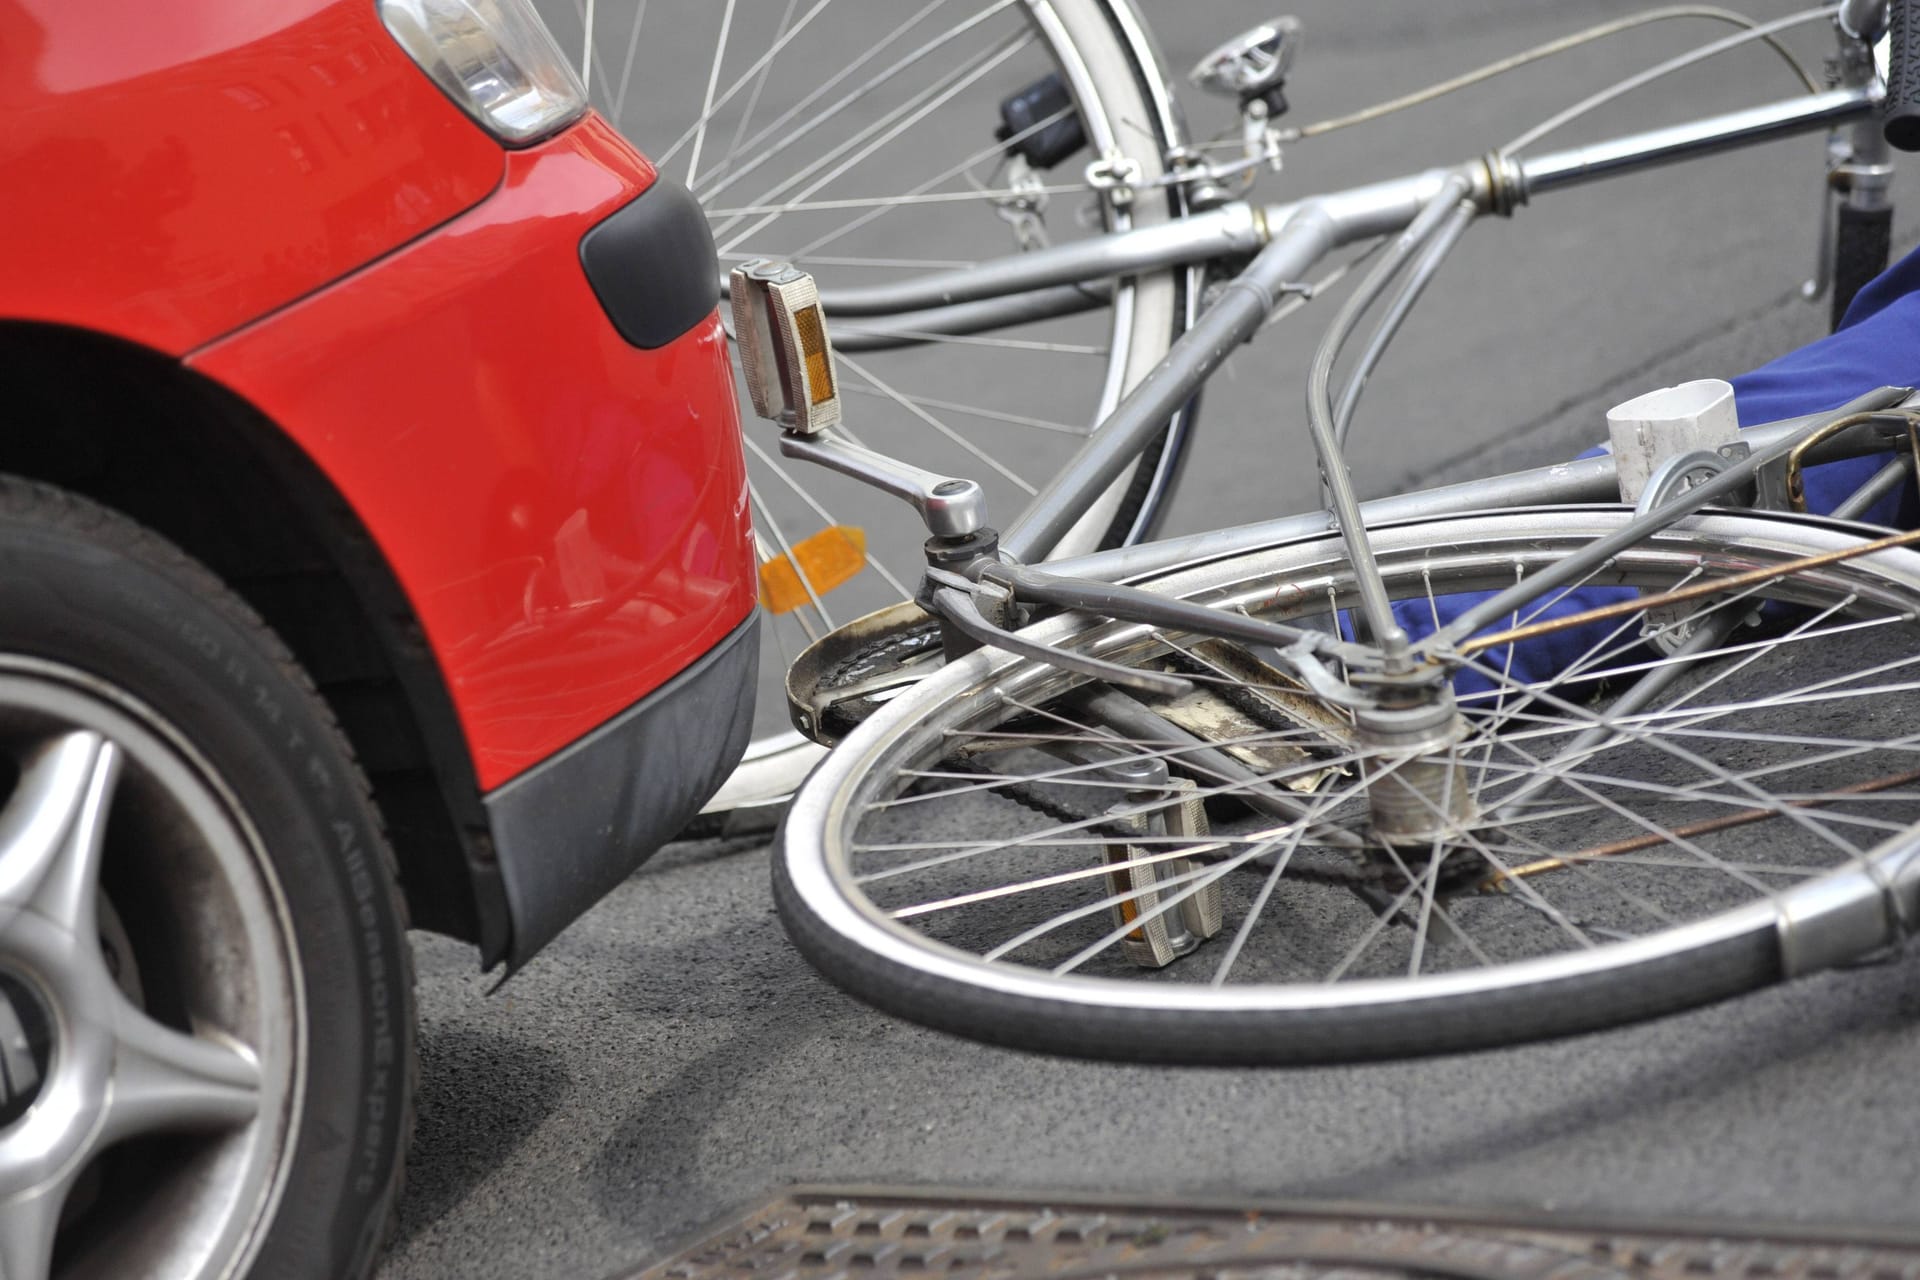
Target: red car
374, 547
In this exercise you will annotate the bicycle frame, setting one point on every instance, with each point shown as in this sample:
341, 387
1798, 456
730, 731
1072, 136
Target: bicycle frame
1064, 687
1307, 230
1287, 240
1426, 211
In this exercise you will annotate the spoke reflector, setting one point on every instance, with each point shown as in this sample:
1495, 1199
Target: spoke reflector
828, 559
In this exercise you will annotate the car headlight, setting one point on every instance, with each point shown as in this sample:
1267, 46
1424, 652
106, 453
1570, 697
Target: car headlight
495, 59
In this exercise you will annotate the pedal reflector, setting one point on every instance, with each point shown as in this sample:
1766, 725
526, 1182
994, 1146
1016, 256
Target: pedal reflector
829, 558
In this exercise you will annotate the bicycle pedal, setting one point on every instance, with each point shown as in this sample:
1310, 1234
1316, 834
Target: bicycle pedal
1161, 936
785, 353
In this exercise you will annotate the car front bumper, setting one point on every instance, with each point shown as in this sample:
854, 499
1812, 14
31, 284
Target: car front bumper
572, 827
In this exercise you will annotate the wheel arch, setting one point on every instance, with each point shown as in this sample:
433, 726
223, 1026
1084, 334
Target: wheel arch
135, 430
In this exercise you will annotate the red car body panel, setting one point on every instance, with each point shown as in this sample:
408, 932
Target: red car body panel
175, 171
567, 512
271, 196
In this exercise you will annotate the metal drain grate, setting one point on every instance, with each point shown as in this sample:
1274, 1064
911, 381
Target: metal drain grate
867, 1233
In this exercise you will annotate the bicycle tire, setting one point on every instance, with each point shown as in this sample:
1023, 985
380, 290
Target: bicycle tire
1105, 53
831, 909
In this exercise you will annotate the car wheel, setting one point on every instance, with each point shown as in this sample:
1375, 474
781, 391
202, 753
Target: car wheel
206, 1021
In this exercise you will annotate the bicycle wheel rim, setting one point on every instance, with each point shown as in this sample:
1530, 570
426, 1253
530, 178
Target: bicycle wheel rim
908, 973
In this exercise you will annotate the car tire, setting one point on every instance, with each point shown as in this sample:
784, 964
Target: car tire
108, 629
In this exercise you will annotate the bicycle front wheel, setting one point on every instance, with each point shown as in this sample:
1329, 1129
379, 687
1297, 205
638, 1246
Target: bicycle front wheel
1007, 852
869, 142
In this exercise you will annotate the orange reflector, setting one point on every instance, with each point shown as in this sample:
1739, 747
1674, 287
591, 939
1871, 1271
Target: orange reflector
813, 347
828, 559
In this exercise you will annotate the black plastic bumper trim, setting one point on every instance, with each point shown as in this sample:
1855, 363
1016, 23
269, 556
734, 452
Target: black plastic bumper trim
652, 265
574, 826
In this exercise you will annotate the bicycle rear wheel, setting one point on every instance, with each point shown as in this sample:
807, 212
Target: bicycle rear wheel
858, 139
983, 854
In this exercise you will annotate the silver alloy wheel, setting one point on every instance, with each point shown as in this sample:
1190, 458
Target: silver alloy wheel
99, 794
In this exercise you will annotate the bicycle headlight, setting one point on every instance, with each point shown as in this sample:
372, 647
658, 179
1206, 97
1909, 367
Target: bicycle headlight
495, 59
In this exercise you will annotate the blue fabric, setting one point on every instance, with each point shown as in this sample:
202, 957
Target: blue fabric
1876, 345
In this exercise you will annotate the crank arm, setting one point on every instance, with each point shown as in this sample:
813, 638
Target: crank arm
949, 507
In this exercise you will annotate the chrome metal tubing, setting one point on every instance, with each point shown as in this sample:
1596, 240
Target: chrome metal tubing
948, 506
1241, 228
1878, 485
911, 328
1300, 234
958, 608
1312, 228
1577, 165
1130, 604
1562, 484
1232, 229
1418, 275
1236, 228
1574, 567
1334, 476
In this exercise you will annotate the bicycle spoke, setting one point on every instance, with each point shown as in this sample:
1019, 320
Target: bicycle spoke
713, 79
1104, 870
626, 65
772, 526
974, 340
786, 139
756, 72
806, 496
992, 415
939, 426
874, 136
1000, 147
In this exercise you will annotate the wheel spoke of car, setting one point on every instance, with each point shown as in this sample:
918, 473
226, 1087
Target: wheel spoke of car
27, 1223
51, 830
144, 972
166, 1080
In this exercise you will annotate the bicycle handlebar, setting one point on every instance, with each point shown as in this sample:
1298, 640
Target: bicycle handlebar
1900, 119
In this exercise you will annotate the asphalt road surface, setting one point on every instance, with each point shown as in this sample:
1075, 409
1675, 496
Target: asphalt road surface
670, 1058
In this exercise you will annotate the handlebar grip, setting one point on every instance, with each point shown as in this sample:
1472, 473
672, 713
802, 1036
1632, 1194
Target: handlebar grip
1900, 119
1863, 241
